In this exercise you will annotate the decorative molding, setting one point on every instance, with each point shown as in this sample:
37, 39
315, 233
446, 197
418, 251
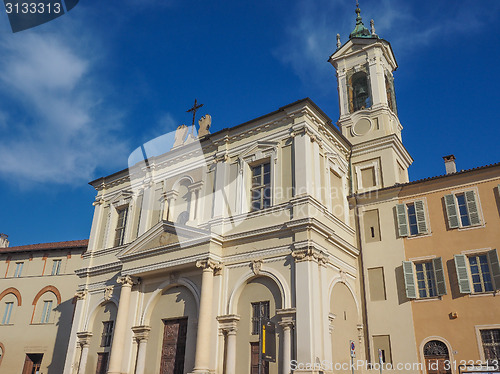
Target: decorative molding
256, 265
108, 292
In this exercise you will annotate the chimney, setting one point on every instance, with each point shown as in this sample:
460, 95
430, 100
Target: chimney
4, 243
449, 164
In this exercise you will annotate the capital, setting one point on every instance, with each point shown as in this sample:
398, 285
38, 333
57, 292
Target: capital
310, 254
81, 295
84, 338
127, 280
141, 332
209, 265
228, 323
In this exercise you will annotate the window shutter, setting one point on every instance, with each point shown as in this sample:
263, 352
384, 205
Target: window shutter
401, 217
451, 211
420, 213
470, 198
495, 267
437, 264
411, 292
462, 275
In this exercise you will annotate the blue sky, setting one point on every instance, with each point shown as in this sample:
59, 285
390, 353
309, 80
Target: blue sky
80, 93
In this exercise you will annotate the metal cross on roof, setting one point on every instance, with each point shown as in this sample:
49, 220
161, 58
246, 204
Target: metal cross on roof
194, 109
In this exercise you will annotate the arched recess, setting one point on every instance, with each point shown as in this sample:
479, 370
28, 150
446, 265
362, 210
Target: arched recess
174, 306
91, 316
240, 284
442, 340
2, 352
338, 279
146, 315
52, 289
344, 320
13, 291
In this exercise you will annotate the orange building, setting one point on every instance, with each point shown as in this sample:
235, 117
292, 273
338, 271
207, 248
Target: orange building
450, 227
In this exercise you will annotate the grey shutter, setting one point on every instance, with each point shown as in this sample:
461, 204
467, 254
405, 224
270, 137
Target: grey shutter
420, 213
401, 217
495, 267
411, 292
470, 198
437, 265
462, 275
451, 211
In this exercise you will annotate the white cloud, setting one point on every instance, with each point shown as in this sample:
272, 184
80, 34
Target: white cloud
311, 33
57, 129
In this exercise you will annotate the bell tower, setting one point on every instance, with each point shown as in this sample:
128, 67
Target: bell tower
368, 111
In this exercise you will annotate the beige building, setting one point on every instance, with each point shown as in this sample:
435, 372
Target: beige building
37, 288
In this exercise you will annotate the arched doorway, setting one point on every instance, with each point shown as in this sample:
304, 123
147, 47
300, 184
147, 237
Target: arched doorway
437, 358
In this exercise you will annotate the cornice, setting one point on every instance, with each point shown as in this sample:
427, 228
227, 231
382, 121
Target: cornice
389, 141
99, 269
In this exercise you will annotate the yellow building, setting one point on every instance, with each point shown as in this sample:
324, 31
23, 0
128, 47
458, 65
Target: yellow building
37, 288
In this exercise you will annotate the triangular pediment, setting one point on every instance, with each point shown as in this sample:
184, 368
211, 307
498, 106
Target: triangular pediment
259, 149
354, 45
165, 235
121, 198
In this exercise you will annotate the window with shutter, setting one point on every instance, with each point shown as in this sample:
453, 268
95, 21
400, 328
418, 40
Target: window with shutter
420, 214
437, 264
401, 218
411, 292
462, 209
495, 268
451, 211
462, 274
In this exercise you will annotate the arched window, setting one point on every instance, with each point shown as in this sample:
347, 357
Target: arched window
183, 202
360, 92
45, 303
435, 348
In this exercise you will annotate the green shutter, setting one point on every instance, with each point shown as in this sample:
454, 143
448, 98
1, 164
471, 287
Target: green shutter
437, 265
411, 292
401, 217
420, 213
451, 211
462, 275
470, 198
495, 267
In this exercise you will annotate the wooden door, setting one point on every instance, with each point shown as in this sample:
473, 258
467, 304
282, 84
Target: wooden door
32, 363
102, 363
174, 346
254, 360
437, 365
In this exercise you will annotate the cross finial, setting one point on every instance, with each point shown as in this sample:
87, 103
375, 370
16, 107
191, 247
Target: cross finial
194, 109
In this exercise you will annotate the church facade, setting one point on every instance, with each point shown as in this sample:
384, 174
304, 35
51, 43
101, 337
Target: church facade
191, 248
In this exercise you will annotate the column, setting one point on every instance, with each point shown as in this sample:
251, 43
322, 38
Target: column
202, 357
229, 325
309, 324
70, 365
141, 334
286, 323
168, 210
115, 360
84, 342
